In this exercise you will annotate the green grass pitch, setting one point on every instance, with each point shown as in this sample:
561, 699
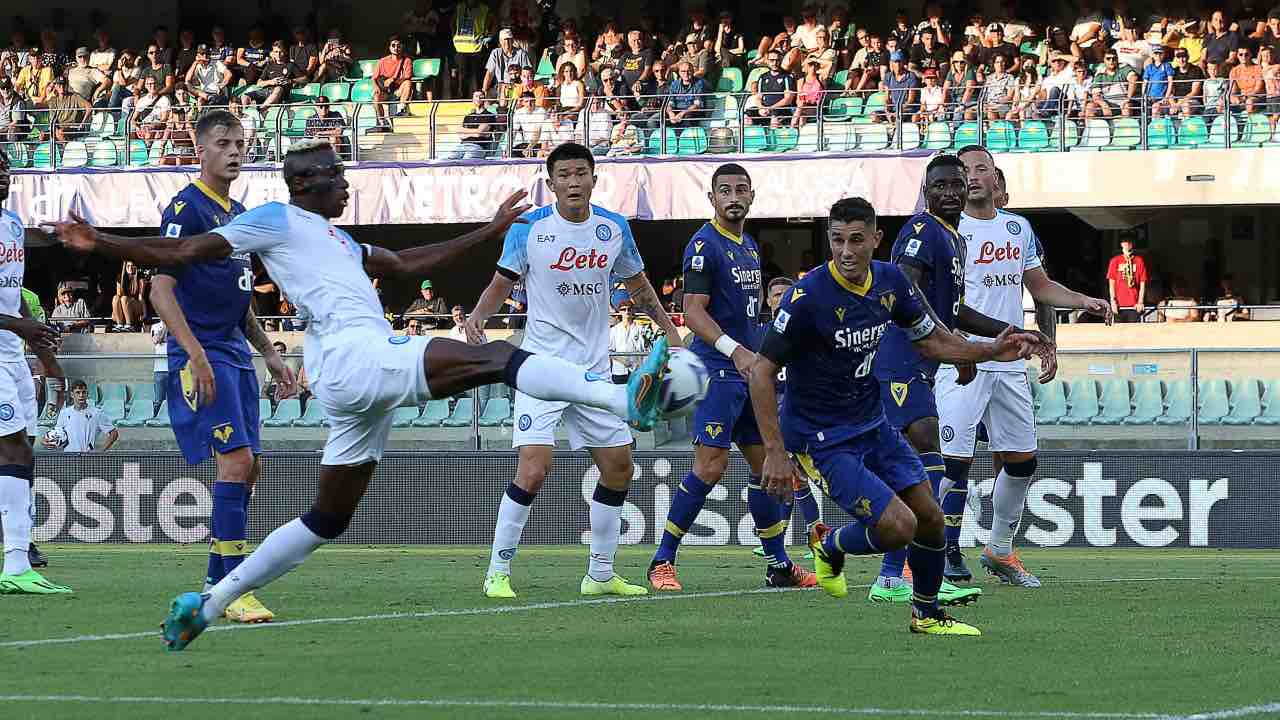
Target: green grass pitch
1113, 634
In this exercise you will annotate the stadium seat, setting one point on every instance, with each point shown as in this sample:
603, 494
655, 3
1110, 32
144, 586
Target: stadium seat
966, 134
937, 136
312, 416
1257, 131
298, 120
287, 411
1115, 402
1097, 134
1270, 404
730, 80
141, 406
1159, 133
496, 412
1178, 407
105, 154
692, 141
1126, 134
367, 67
1218, 130
1082, 401
362, 91
265, 411
843, 108
1070, 135
161, 418
808, 141
655, 142
1192, 132
1033, 136
910, 138
755, 139
1001, 136
336, 91
755, 75
404, 416
872, 136
546, 70
785, 139
1148, 402
436, 412
424, 68
1246, 402
752, 55
1053, 403
840, 137
42, 157
137, 152
18, 155
462, 414
309, 91
75, 154
1214, 403
875, 102
115, 398
158, 151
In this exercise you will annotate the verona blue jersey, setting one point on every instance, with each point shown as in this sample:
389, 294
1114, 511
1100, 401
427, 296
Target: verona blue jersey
827, 333
214, 296
725, 267
932, 246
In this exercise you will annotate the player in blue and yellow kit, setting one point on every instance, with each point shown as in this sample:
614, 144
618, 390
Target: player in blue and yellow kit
826, 334
213, 392
722, 298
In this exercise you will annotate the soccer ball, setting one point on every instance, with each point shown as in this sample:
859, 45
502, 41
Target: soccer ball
683, 385
56, 437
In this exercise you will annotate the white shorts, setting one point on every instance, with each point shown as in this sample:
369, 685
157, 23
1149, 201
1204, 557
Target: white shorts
1000, 400
364, 379
588, 427
18, 412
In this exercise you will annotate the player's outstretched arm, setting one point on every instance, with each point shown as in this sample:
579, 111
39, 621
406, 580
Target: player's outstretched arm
645, 299
81, 237
1055, 294
775, 477
166, 305
418, 261
491, 299
945, 346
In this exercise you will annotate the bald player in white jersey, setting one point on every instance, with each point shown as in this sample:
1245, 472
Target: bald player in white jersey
360, 370
568, 254
1003, 255
18, 412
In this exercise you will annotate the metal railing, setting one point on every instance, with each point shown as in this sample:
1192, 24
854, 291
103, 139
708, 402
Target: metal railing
1210, 113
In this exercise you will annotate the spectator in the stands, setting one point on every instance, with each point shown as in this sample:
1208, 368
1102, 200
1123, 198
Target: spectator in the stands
497, 69
928, 53
414, 328
772, 95
685, 106
429, 304
730, 46
1192, 40
103, 57
625, 137
13, 116
903, 31
335, 58
780, 41
150, 112
1156, 78
129, 303
126, 82
219, 50
1270, 83
1078, 91
185, 55
808, 96
806, 33
902, 87
570, 92
628, 339
1086, 34
527, 83
278, 78
697, 25
477, 136
1127, 282
329, 124
68, 113
932, 99
1248, 91
88, 82
160, 366
997, 46
529, 124
208, 80
613, 92
1131, 50
961, 88
699, 58
1187, 96
161, 71
83, 423
392, 80
303, 53
1220, 43
824, 55
648, 98
1230, 303
1179, 307
1115, 88
252, 58
573, 53
34, 80
70, 312
1000, 91
1056, 42
636, 61
165, 52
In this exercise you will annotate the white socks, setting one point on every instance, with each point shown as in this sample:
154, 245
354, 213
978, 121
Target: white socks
512, 517
283, 550
1008, 498
606, 527
549, 378
15, 519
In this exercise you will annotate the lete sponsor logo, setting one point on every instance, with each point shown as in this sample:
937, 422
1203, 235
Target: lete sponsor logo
571, 259
990, 253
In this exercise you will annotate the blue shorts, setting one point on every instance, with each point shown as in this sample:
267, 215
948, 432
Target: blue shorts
863, 473
906, 401
231, 422
725, 416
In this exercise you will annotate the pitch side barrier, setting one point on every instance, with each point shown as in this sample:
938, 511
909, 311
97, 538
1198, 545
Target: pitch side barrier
1096, 499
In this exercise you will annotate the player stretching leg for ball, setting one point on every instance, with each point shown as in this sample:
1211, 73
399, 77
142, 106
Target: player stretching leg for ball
361, 371
1004, 255
18, 411
207, 308
566, 253
826, 334
722, 284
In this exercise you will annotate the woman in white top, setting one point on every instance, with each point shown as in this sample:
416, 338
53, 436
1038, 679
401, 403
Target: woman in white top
1024, 107
932, 99
598, 122
570, 90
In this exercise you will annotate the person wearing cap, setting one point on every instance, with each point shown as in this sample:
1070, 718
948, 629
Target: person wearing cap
1156, 81
1188, 86
478, 132
960, 87
207, 79
497, 69
1053, 88
429, 305
996, 46
730, 48
13, 115
304, 53
903, 89
1115, 88
932, 99
70, 313
330, 125
87, 81
699, 58
335, 58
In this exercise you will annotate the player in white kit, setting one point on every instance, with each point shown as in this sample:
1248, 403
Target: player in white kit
18, 411
1003, 255
568, 254
360, 370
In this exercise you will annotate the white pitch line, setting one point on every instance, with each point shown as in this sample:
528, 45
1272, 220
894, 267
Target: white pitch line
1246, 711
598, 707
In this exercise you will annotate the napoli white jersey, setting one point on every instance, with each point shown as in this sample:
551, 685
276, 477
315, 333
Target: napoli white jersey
568, 269
318, 267
999, 251
13, 263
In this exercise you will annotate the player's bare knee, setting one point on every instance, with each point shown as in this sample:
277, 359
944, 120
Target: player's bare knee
923, 435
897, 526
929, 521
530, 474
236, 466
709, 463
615, 474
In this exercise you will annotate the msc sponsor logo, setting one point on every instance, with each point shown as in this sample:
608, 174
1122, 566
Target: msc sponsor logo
603, 233
989, 253
11, 282
1005, 280
580, 289
571, 259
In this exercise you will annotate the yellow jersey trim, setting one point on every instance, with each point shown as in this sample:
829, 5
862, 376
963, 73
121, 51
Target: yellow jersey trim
860, 291
720, 229
223, 203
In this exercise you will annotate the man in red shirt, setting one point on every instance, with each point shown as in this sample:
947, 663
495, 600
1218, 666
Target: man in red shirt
393, 79
1127, 282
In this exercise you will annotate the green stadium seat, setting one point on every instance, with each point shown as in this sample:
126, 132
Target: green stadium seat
310, 90
1257, 130
1115, 402
115, 398
546, 70
875, 102
1214, 403
43, 155
298, 120
367, 67
1033, 137
1159, 133
312, 416
336, 91
1001, 137
655, 142
755, 139
840, 137
362, 91
1082, 401
1178, 404
404, 416
158, 151
752, 55
496, 412
966, 134
18, 155
287, 411
462, 414
808, 140
1246, 402
785, 139
1053, 403
730, 80
910, 139
842, 109
1218, 130
838, 79
1070, 135
1193, 132
424, 68
436, 412
872, 136
937, 136
1097, 134
161, 418
692, 141
75, 154
265, 411
1126, 134
137, 153
1148, 402
1270, 404
755, 75
105, 154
